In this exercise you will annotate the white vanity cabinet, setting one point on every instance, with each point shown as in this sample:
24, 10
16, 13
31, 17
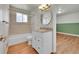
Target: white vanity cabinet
42, 42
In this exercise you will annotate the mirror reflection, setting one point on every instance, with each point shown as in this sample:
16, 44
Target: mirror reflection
46, 18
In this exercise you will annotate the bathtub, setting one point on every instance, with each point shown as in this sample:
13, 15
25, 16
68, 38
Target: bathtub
19, 38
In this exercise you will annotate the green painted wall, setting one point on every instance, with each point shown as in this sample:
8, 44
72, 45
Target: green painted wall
72, 28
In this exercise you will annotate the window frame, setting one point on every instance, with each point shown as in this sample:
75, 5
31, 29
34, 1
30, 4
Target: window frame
22, 21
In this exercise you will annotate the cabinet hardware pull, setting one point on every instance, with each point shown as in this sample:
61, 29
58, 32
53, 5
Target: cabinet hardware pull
38, 40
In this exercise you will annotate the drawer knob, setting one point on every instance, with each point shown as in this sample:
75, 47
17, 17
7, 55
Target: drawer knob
38, 40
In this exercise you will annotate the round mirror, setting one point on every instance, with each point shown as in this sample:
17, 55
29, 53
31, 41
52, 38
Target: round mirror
46, 18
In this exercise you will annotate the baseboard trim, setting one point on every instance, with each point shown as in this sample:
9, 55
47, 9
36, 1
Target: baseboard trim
68, 34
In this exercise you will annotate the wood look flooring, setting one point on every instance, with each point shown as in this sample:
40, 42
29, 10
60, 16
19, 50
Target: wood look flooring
22, 48
67, 44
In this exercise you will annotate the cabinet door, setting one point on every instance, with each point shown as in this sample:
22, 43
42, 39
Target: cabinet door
0, 12
5, 12
34, 39
40, 45
1, 20
1, 28
47, 42
4, 16
39, 42
2, 50
5, 29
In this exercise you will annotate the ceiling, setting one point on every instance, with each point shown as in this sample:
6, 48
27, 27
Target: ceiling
65, 8
29, 7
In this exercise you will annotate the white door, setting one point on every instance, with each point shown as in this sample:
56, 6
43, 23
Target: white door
4, 16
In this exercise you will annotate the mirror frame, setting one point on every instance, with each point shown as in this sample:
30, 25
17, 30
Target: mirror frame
42, 18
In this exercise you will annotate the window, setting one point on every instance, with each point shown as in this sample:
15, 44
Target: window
21, 18
24, 18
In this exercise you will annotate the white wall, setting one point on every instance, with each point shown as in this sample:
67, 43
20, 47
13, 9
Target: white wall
18, 28
68, 18
35, 18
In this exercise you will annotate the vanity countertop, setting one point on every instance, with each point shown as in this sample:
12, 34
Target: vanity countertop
44, 30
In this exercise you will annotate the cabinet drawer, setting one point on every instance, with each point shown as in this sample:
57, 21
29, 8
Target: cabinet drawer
39, 45
39, 48
34, 42
39, 35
